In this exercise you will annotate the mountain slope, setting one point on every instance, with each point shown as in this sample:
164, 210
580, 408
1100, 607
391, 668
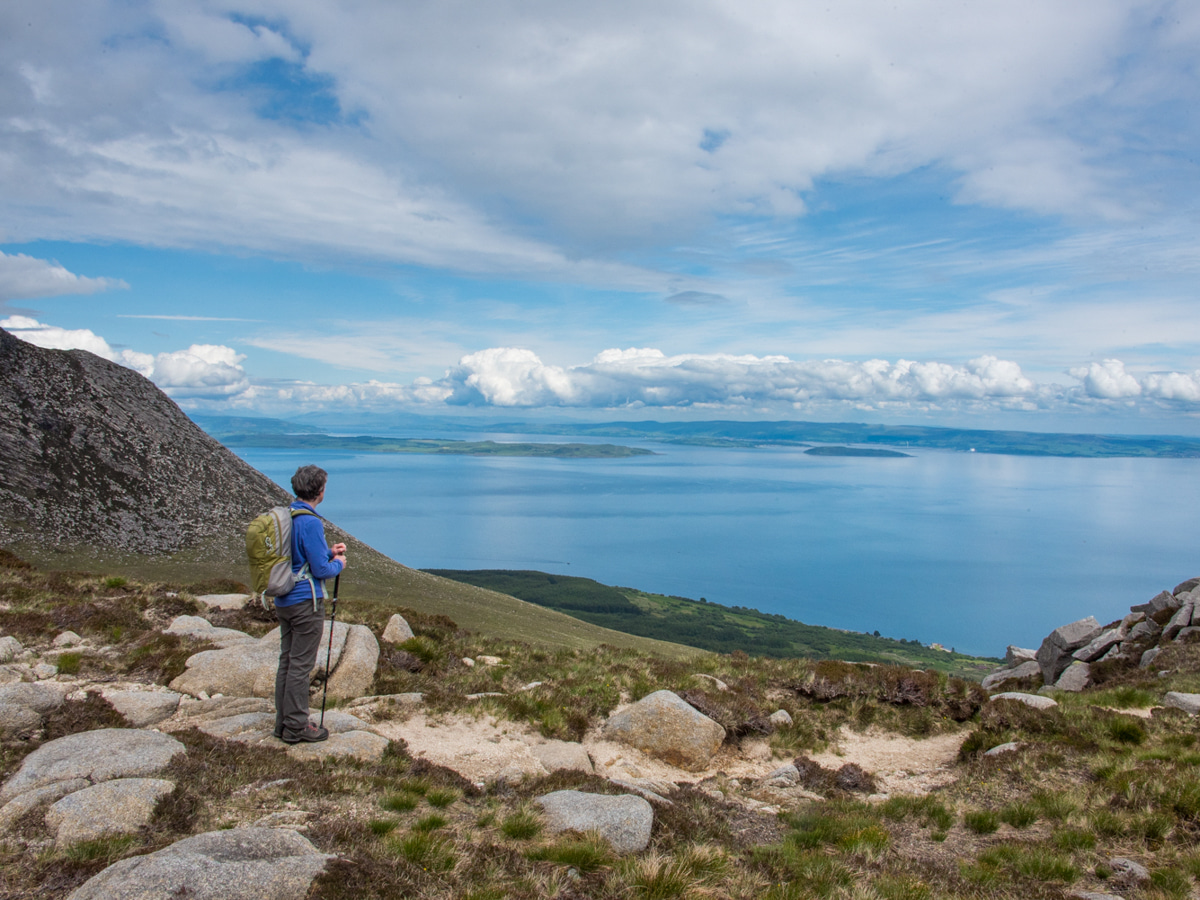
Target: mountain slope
104, 471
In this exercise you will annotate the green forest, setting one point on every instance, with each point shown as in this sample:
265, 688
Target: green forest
710, 626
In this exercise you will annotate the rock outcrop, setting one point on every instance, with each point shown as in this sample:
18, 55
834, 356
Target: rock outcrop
238, 864
1065, 657
624, 822
93, 756
247, 667
665, 726
121, 806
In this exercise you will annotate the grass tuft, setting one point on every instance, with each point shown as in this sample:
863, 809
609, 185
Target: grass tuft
522, 825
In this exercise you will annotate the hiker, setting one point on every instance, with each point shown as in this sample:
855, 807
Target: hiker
301, 611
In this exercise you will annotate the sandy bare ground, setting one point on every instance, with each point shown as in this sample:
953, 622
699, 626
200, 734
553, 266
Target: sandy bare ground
484, 747
901, 765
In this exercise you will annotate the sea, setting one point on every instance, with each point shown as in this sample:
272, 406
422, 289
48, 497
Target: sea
974, 551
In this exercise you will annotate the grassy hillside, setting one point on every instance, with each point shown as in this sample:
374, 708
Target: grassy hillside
374, 584
1106, 776
711, 626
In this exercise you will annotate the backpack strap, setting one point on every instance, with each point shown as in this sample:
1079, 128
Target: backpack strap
305, 572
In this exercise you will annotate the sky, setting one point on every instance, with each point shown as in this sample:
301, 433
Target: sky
979, 214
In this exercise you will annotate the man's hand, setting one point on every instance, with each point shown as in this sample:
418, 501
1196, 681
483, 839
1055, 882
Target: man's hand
339, 553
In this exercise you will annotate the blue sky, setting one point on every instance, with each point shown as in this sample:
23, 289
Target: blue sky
981, 214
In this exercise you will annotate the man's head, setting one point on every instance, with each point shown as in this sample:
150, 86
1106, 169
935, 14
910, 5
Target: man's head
308, 482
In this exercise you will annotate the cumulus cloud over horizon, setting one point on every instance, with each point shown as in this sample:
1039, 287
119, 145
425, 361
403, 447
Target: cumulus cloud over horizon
200, 371
511, 377
26, 277
633, 378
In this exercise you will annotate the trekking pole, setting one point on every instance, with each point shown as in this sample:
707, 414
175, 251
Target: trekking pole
329, 652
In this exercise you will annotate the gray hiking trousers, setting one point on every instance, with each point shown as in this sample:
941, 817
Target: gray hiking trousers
300, 628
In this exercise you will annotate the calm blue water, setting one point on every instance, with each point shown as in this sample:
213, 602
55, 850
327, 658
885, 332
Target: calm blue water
974, 551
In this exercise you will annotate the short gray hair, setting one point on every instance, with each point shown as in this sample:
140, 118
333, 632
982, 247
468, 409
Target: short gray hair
309, 481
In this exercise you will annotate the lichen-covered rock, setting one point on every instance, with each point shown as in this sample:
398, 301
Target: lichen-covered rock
237, 864
1181, 620
18, 721
355, 667
665, 726
141, 709
1026, 669
1055, 653
41, 698
781, 718
559, 756
398, 630
1035, 700
121, 806
1075, 678
201, 629
224, 601
248, 668
624, 822
38, 797
1148, 657
9, 648
362, 745
1189, 703
96, 756
1014, 656
1099, 645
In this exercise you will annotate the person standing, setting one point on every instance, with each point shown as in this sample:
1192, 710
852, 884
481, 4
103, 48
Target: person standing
301, 611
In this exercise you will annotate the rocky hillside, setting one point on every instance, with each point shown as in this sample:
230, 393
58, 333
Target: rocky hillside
137, 760
96, 454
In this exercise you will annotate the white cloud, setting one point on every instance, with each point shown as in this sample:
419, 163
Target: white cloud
490, 141
1107, 380
202, 370
511, 377
25, 277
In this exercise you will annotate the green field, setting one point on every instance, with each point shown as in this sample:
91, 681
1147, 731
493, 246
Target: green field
710, 626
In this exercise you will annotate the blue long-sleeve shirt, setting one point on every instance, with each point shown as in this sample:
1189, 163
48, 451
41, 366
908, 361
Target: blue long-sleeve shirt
309, 546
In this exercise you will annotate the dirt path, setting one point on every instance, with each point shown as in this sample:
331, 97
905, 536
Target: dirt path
484, 747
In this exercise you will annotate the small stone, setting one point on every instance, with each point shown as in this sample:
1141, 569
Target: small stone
489, 660
558, 756
781, 718
397, 630
999, 749
43, 671
712, 680
224, 601
1127, 873
1148, 657
531, 686
9, 648
68, 639
468, 662
783, 777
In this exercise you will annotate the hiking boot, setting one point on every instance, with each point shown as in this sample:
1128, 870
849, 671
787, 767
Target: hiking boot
310, 735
